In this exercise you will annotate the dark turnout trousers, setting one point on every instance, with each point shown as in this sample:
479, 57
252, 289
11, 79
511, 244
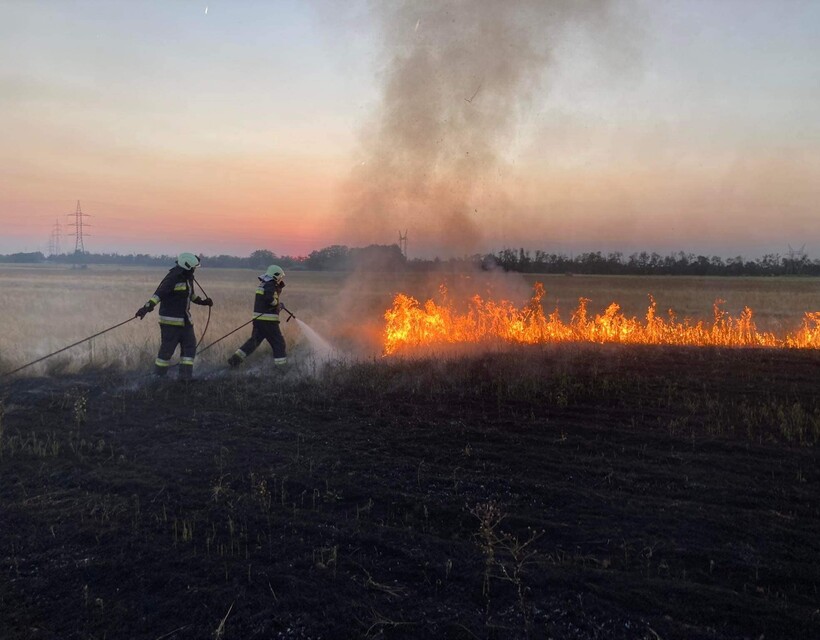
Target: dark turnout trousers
265, 330
171, 337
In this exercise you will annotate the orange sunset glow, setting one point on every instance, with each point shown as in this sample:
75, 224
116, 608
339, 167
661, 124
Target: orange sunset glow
293, 126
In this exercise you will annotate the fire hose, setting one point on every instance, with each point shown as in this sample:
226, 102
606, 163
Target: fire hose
208, 321
285, 309
99, 333
204, 349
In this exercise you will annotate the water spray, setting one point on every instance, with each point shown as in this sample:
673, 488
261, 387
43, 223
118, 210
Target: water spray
321, 346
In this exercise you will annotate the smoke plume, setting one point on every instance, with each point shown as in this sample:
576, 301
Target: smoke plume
459, 77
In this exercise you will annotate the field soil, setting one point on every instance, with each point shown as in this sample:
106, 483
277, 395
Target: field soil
560, 492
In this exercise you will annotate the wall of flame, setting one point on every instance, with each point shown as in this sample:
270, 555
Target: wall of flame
410, 324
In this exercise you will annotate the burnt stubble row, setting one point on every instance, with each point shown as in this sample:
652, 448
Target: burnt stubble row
580, 491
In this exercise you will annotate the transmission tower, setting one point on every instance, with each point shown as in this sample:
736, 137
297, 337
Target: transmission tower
78, 224
54, 239
403, 243
796, 260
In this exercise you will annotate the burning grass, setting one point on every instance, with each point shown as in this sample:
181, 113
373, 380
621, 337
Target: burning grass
410, 324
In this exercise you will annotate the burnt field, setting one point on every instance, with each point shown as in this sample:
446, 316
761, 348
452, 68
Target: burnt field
556, 492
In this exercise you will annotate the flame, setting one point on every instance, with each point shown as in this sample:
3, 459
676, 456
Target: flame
410, 324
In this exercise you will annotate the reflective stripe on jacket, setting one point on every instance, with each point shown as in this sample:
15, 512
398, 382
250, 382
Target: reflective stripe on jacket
174, 295
266, 302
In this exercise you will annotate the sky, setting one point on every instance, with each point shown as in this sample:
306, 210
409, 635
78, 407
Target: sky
559, 125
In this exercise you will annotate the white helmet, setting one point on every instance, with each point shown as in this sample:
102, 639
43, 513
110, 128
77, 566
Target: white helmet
275, 273
187, 261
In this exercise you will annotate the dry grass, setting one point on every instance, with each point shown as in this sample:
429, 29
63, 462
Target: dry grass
778, 303
46, 308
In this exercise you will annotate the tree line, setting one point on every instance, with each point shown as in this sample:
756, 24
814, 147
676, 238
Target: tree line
390, 258
644, 263
333, 258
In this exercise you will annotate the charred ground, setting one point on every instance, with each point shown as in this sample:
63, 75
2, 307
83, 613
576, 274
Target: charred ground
567, 492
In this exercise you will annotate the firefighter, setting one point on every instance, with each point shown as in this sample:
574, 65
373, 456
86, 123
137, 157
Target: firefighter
174, 295
266, 308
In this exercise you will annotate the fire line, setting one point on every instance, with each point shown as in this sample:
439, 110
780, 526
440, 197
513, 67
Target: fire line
410, 324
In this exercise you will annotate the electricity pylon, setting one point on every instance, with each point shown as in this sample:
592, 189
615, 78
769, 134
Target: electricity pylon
403, 243
54, 239
79, 226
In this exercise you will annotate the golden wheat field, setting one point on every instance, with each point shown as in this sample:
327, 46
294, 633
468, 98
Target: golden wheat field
45, 308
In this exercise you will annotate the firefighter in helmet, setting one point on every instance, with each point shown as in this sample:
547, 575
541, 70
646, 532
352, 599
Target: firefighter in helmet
266, 309
174, 295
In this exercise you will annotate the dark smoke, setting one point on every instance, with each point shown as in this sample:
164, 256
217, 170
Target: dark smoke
459, 77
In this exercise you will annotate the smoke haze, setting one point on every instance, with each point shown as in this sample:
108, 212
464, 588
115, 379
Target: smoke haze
458, 78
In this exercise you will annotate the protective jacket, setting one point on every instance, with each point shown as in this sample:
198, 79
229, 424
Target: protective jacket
265, 323
266, 304
174, 295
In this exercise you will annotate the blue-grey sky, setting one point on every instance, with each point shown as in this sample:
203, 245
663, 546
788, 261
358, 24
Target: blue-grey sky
659, 125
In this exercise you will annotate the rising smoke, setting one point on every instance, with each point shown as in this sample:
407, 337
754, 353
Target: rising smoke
459, 76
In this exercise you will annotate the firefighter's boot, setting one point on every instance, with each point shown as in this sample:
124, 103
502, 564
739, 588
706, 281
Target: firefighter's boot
186, 368
235, 360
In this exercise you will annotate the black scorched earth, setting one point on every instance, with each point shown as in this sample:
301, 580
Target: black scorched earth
560, 492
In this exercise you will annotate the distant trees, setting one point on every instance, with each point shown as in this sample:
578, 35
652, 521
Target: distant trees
132, 259
23, 258
262, 258
375, 257
330, 258
643, 263
378, 257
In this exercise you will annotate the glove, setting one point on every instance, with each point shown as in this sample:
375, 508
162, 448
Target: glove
207, 302
141, 312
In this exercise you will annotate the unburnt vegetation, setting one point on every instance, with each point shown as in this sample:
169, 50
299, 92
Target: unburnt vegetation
347, 309
576, 491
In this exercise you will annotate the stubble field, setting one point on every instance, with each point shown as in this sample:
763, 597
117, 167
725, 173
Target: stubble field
564, 491
47, 308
